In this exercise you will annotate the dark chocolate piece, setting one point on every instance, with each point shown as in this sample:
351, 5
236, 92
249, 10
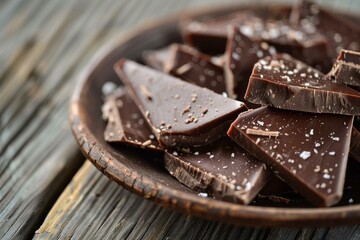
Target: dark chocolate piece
240, 56
284, 82
210, 36
194, 67
355, 144
346, 69
126, 123
180, 114
302, 43
340, 33
223, 169
309, 151
156, 58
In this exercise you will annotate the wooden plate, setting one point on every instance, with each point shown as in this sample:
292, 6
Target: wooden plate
141, 173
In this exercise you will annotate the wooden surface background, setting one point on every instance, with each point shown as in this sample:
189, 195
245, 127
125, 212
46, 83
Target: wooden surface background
46, 188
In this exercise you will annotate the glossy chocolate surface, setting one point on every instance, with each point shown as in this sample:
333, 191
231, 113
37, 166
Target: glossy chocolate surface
180, 114
194, 67
302, 43
222, 169
310, 152
346, 69
240, 56
284, 82
125, 122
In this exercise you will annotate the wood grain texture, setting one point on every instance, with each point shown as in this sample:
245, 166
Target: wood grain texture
93, 207
44, 46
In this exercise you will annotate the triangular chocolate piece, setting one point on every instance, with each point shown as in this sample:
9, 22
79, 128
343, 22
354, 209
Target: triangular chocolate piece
180, 114
126, 123
240, 56
284, 82
194, 67
223, 169
346, 69
309, 151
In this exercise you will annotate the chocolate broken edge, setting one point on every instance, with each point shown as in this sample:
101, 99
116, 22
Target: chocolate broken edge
198, 179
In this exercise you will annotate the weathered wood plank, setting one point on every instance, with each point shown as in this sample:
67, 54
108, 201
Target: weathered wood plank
93, 207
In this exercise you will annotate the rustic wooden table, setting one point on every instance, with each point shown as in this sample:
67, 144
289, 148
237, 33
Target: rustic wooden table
47, 190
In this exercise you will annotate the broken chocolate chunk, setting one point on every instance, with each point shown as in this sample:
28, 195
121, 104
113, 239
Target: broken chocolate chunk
126, 123
240, 56
340, 33
302, 43
223, 169
180, 114
284, 82
310, 152
194, 67
210, 36
347, 68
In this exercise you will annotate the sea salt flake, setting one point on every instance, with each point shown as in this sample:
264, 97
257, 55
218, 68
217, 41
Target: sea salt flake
305, 154
261, 123
326, 176
202, 194
248, 186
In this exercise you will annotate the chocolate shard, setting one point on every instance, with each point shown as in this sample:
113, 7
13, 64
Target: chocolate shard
240, 56
156, 58
126, 123
346, 69
284, 82
309, 151
210, 35
302, 43
179, 113
355, 144
341, 33
223, 169
192, 66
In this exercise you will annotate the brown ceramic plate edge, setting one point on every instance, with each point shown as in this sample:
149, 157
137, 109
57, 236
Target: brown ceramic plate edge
185, 202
